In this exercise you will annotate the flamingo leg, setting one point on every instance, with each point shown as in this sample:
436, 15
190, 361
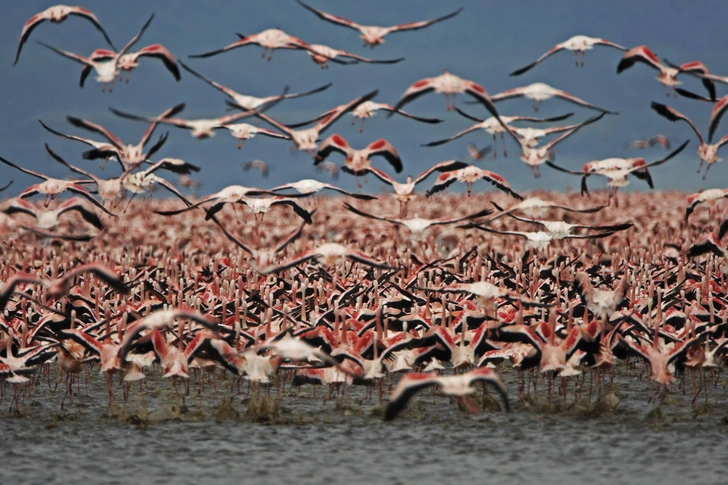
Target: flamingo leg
495, 146
361, 128
503, 140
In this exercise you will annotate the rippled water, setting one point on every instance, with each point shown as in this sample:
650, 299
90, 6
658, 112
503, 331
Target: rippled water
341, 441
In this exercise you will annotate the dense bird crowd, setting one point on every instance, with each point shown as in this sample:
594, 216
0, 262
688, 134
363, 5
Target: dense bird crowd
334, 292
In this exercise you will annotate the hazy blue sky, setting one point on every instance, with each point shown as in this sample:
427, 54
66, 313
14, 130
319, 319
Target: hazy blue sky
484, 43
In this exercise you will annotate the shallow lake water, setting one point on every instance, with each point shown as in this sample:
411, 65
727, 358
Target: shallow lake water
161, 437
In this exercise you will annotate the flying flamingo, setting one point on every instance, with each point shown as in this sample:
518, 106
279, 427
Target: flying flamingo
470, 175
261, 257
322, 54
668, 75
418, 225
128, 62
331, 254
493, 126
448, 84
710, 195
47, 219
367, 109
309, 187
51, 187
661, 140
269, 39
720, 106
458, 386
577, 43
404, 192
617, 169
205, 128
251, 102
57, 14
106, 70
374, 35
357, 159
129, 155
539, 239
264, 167
306, 139
539, 92
707, 152
100, 149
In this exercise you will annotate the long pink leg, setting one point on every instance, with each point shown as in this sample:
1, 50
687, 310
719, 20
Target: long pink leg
495, 146
576, 58
503, 139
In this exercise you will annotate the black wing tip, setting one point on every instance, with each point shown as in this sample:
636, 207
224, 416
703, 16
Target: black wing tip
524, 69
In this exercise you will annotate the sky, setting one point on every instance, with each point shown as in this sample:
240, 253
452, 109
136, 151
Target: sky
484, 43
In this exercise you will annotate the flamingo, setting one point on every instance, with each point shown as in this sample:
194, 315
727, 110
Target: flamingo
367, 109
57, 14
250, 102
668, 75
468, 176
257, 165
374, 35
269, 39
540, 239
710, 195
617, 169
205, 128
229, 195
661, 140
539, 92
707, 152
418, 225
448, 84
535, 207
104, 62
130, 155
603, 303
577, 43
404, 192
309, 187
357, 159
100, 149
261, 257
129, 61
331, 253
493, 126
561, 229
330, 167
47, 219
51, 187
457, 385
322, 54
306, 139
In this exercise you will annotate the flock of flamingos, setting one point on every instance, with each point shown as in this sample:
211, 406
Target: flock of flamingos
355, 290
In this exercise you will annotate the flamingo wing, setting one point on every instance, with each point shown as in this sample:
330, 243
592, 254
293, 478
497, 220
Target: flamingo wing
639, 54
334, 143
674, 115
385, 149
423, 23
335, 19
158, 51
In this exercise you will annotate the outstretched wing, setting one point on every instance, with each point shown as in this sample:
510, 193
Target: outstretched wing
331, 18
424, 23
639, 54
446, 166
385, 149
158, 51
674, 115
